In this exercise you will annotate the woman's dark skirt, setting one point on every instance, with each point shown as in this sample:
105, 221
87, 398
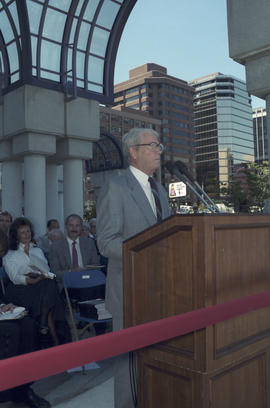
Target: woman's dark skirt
35, 297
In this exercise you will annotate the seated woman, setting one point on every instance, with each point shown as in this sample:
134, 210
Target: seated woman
30, 286
17, 336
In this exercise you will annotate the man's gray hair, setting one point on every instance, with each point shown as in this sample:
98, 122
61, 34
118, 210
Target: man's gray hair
92, 221
133, 137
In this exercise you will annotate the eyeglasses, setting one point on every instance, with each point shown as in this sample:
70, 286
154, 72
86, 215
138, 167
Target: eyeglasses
154, 146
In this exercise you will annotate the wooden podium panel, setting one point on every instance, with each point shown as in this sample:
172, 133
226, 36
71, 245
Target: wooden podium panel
190, 262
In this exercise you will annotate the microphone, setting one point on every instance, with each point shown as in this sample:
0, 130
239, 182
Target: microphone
184, 169
170, 166
173, 169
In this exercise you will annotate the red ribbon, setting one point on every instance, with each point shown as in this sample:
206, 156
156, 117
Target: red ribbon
33, 366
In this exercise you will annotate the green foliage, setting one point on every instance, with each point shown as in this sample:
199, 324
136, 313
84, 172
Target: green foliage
249, 193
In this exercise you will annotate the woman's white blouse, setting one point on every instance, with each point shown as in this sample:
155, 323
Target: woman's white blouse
16, 263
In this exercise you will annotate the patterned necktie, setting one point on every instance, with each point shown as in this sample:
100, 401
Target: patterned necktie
154, 190
74, 255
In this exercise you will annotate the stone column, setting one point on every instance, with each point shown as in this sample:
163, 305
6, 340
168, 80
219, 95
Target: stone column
12, 187
73, 187
35, 192
51, 191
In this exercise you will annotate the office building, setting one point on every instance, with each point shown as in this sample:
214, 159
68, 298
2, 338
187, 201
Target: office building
150, 89
260, 135
120, 120
223, 129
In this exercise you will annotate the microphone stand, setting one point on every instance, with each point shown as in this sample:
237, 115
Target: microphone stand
185, 179
207, 196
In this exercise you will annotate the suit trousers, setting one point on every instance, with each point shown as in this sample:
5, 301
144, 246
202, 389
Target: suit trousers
122, 386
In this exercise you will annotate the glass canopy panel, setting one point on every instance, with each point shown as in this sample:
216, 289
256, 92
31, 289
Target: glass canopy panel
90, 10
50, 56
1, 62
72, 31
95, 88
13, 57
14, 77
79, 7
14, 13
99, 42
95, 69
107, 14
80, 64
6, 28
34, 15
69, 60
60, 4
83, 35
54, 25
50, 75
34, 49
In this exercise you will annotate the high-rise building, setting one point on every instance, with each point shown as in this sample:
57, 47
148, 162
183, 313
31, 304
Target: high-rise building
223, 128
260, 135
167, 98
119, 121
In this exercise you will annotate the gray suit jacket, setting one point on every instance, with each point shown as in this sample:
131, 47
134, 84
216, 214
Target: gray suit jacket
60, 259
123, 210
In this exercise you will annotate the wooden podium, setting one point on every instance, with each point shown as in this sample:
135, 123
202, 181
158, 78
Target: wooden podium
189, 262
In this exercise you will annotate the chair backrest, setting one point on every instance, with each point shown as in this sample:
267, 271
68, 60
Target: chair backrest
83, 279
3, 274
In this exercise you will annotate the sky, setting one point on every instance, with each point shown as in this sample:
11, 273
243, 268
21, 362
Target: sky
188, 37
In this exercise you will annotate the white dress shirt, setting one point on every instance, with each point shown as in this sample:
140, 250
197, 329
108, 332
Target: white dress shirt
144, 183
16, 263
70, 242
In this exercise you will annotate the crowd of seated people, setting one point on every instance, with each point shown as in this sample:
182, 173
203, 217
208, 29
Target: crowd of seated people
18, 336
31, 283
35, 269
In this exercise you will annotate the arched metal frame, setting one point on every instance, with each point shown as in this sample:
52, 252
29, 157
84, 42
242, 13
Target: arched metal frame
107, 155
67, 45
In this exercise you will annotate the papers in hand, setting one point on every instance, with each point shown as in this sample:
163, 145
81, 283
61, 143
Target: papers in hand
17, 313
41, 267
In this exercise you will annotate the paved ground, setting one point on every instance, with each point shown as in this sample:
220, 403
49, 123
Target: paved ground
77, 390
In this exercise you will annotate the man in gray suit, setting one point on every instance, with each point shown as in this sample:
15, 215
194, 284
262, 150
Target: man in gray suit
72, 252
127, 206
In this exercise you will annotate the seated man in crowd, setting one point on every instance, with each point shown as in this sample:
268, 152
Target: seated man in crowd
85, 232
44, 242
73, 252
5, 221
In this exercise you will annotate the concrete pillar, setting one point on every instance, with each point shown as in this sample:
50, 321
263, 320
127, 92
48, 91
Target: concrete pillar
12, 187
73, 187
35, 192
60, 198
51, 191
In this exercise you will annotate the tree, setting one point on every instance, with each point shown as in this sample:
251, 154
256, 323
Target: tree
258, 183
249, 188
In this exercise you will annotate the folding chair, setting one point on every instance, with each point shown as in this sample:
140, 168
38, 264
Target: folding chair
82, 280
3, 278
